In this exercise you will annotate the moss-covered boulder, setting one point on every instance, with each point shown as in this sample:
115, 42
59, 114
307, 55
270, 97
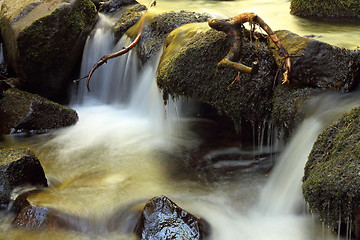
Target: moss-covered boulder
158, 26
331, 184
326, 8
22, 111
44, 39
188, 67
319, 65
19, 167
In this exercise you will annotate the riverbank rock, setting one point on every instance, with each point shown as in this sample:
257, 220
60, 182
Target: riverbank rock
188, 67
331, 184
44, 39
19, 167
24, 112
319, 65
162, 219
326, 8
157, 28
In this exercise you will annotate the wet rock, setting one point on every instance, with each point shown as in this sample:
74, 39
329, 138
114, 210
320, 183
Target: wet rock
288, 106
188, 67
331, 184
158, 26
115, 5
19, 167
24, 112
318, 64
44, 39
128, 17
162, 219
326, 8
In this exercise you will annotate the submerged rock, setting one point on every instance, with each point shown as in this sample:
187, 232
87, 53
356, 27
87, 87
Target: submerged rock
319, 65
23, 112
162, 219
331, 184
19, 167
188, 67
44, 39
326, 8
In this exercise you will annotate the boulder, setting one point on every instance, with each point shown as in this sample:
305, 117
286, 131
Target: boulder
44, 39
19, 167
158, 26
188, 67
115, 5
326, 8
331, 184
319, 65
162, 219
23, 112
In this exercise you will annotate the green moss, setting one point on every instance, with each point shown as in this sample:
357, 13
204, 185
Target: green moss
332, 173
326, 8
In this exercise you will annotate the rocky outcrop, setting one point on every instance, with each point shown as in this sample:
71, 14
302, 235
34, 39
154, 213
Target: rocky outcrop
44, 39
331, 184
326, 8
162, 219
24, 112
19, 167
188, 67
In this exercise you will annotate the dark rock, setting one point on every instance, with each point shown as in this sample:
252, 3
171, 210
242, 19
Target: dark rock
188, 67
158, 27
318, 64
22, 111
128, 17
19, 167
326, 8
44, 39
331, 184
162, 219
115, 5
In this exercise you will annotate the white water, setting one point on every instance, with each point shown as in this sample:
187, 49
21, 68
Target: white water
124, 150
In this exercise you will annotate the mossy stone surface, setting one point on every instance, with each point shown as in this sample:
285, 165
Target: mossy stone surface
326, 8
22, 111
19, 167
331, 184
45, 39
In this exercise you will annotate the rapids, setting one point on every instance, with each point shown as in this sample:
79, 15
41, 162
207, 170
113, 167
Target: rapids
128, 147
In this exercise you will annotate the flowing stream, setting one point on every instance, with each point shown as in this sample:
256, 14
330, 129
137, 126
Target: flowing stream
128, 147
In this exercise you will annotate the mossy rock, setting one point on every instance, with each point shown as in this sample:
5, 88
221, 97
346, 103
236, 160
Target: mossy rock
43, 40
21, 111
331, 184
188, 67
326, 8
158, 26
319, 65
19, 167
129, 16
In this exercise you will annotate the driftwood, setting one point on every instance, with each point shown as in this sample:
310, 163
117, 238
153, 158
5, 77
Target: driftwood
233, 27
106, 57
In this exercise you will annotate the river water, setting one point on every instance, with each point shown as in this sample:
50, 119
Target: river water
128, 147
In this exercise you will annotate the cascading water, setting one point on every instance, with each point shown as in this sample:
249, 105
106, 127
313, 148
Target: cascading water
124, 151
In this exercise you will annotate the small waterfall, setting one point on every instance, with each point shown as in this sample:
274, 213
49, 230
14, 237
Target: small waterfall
282, 193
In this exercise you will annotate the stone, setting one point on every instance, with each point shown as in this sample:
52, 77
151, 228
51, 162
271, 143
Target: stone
319, 65
331, 184
162, 219
19, 167
115, 5
25, 112
44, 39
